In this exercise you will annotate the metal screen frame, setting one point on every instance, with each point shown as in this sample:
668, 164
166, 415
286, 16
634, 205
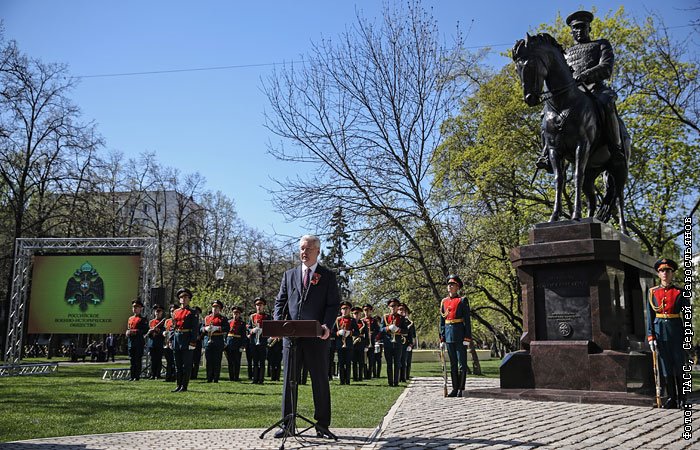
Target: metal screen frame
27, 247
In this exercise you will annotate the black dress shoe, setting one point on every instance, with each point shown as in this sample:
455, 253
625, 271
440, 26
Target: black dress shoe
177, 389
323, 432
282, 432
183, 389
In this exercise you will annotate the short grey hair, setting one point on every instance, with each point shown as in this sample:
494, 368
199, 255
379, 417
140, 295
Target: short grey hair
311, 238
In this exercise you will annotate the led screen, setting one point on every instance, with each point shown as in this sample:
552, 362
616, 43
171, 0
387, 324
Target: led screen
88, 293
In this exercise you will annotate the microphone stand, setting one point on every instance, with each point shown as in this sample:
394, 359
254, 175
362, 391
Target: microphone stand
288, 422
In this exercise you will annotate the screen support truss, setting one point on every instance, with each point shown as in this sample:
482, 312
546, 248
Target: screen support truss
27, 247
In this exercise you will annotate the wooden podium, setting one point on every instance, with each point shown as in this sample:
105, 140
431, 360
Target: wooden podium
291, 328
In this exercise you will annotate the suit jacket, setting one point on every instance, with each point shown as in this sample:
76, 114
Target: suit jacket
320, 303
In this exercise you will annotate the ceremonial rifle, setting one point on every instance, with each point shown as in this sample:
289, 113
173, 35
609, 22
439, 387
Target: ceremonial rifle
657, 380
444, 371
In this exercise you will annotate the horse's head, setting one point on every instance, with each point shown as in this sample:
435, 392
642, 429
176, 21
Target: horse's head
532, 58
530, 67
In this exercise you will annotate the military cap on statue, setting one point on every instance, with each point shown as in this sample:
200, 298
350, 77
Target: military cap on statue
157, 307
217, 303
455, 279
393, 300
184, 291
368, 306
665, 263
137, 302
346, 303
579, 17
260, 300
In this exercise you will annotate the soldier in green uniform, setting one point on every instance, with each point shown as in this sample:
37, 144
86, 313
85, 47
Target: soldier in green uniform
215, 327
394, 326
409, 342
345, 330
455, 333
258, 341
136, 330
184, 339
665, 307
373, 348
359, 346
155, 341
236, 342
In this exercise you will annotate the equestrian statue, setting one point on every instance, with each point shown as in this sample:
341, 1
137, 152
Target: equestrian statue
580, 124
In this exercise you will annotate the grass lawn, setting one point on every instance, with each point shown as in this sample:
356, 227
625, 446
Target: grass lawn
75, 400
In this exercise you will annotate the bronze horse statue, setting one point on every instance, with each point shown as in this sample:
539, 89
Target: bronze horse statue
572, 129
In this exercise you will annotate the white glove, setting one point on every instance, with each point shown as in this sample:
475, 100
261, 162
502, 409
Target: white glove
393, 328
347, 333
241, 349
128, 333
256, 330
465, 343
442, 346
208, 329
653, 346
191, 347
215, 328
366, 349
409, 348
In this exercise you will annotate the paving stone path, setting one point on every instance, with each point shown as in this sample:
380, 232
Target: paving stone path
423, 419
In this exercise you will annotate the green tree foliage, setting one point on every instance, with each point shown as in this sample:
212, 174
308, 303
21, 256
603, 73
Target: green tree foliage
335, 258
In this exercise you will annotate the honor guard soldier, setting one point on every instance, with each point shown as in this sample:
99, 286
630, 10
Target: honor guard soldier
393, 328
274, 358
235, 344
168, 347
665, 307
155, 341
197, 353
249, 351
372, 327
215, 328
259, 343
455, 333
137, 327
344, 330
359, 346
409, 344
184, 339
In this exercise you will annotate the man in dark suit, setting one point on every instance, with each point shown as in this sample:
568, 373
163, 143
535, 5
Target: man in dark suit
309, 292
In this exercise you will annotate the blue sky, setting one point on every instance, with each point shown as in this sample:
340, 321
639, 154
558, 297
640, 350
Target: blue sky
211, 121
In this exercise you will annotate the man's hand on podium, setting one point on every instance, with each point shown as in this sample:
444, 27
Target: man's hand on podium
326, 332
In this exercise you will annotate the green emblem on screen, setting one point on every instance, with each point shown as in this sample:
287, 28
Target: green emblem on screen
85, 287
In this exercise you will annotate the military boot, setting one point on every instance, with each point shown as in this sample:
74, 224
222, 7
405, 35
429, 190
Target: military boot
672, 400
454, 375
679, 390
462, 383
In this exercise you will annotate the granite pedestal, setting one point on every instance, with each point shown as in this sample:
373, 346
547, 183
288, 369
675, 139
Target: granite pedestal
583, 289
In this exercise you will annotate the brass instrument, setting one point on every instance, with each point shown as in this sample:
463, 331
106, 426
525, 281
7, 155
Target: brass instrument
344, 338
272, 341
393, 333
259, 332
